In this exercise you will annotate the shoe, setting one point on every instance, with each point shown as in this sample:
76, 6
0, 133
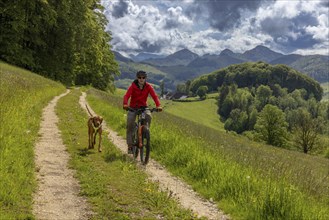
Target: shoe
130, 149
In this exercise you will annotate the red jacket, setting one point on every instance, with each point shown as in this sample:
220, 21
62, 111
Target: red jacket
138, 97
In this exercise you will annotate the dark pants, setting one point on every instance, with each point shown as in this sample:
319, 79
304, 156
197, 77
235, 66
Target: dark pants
131, 117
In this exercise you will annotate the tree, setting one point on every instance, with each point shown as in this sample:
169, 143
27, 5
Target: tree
162, 88
263, 94
187, 86
306, 131
237, 121
62, 40
180, 88
271, 125
202, 92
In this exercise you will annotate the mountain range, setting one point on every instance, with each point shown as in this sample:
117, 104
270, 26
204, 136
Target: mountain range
185, 65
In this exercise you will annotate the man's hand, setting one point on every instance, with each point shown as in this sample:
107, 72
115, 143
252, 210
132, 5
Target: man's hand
125, 107
159, 109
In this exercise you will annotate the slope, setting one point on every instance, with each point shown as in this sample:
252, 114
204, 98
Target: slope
237, 174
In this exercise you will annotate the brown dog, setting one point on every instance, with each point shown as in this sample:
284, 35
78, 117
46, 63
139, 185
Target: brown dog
94, 127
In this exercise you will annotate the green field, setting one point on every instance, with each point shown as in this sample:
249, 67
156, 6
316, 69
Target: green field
203, 112
23, 96
246, 179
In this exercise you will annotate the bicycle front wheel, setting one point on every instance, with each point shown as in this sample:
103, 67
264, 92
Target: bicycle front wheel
145, 150
135, 141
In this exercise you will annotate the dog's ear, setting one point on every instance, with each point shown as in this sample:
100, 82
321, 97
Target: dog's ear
101, 119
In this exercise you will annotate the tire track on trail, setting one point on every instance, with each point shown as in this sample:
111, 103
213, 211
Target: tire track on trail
182, 192
57, 196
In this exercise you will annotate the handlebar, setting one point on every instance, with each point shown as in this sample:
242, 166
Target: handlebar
140, 110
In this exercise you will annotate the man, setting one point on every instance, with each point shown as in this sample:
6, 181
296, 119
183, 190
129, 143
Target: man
138, 93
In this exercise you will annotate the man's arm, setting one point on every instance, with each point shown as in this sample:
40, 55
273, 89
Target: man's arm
127, 96
155, 97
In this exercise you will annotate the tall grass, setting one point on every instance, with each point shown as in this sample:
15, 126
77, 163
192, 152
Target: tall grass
248, 180
23, 96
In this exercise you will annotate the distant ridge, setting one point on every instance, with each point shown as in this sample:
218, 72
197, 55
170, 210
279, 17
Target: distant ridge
185, 65
120, 57
182, 57
145, 56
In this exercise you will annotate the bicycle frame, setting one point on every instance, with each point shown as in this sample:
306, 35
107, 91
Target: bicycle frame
142, 141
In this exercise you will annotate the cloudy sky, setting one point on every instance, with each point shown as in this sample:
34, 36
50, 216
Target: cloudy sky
210, 26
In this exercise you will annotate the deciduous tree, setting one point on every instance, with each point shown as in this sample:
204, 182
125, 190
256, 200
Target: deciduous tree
271, 125
202, 92
306, 131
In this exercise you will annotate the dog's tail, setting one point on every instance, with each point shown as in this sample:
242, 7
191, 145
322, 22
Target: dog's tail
89, 111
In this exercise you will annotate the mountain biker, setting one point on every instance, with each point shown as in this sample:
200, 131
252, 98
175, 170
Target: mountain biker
138, 93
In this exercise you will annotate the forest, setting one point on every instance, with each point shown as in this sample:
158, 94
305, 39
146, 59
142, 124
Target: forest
273, 104
65, 41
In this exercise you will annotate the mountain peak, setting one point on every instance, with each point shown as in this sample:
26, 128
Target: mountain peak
184, 55
261, 53
227, 52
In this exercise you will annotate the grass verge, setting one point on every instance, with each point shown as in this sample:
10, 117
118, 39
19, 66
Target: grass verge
23, 96
248, 180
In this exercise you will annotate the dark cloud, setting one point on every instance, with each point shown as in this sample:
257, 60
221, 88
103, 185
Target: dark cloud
222, 14
324, 3
276, 27
291, 32
150, 47
120, 9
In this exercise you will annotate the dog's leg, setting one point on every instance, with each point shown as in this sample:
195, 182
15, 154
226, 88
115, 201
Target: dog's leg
94, 138
89, 138
100, 140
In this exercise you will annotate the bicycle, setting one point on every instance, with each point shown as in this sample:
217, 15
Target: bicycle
141, 135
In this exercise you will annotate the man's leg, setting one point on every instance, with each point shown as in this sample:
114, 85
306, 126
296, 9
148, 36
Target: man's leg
131, 116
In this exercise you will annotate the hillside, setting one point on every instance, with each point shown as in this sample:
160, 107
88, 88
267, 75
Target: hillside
226, 167
255, 74
236, 174
155, 75
182, 57
41, 163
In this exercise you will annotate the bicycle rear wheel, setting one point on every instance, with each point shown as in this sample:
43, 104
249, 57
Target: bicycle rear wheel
145, 150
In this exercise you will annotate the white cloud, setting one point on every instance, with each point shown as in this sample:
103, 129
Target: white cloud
163, 27
321, 31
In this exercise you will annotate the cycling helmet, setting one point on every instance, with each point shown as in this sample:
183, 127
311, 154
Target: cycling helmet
141, 73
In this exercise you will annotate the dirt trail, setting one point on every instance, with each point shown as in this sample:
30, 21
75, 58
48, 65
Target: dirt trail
57, 196
173, 185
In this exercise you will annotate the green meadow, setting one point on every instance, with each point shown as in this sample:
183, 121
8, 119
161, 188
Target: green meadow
114, 186
245, 179
23, 96
248, 180
203, 112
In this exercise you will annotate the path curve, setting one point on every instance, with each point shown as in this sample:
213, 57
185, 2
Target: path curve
57, 196
187, 197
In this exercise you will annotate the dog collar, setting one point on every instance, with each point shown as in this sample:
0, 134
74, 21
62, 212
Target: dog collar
96, 128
